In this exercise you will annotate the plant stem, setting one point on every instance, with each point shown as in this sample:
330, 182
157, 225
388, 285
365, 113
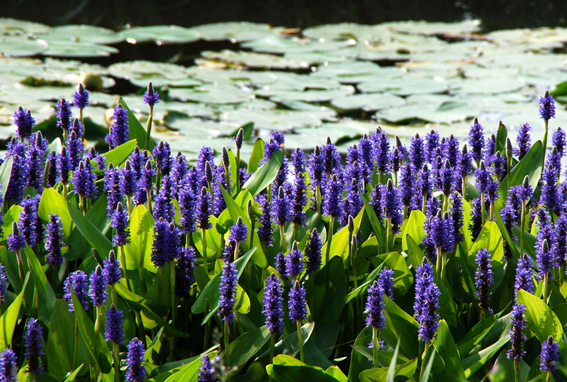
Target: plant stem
464, 187
439, 264
482, 209
300, 339
491, 212
388, 234
204, 244
375, 346
517, 370
424, 358
97, 328
329, 239
173, 308
545, 144
76, 347
282, 238
523, 223
20, 265
149, 197
226, 343
238, 171
149, 127
318, 198
272, 350
207, 326
548, 376
123, 261
116, 351
545, 287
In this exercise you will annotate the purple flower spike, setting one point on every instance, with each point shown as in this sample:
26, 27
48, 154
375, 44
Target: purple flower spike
476, 140
81, 97
24, 123
239, 231
30, 225
375, 306
64, 114
423, 277
98, 285
549, 356
206, 370
84, 180
119, 131
483, 279
273, 305
431, 145
313, 252
280, 207
547, 106
517, 337
417, 153
524, 141
34, 347
204, 209
281, 265
299, 201
8, 366
265, 229
482, 175
166, 243
136, 371
114, 321
184, 277
54, 240
227, 290
151, 97
120, 224
392, 205
3, 280
559, 140
386, 281
429, 319
112, 271
78, 281
297, 304
187, 209
16, 241
294, 262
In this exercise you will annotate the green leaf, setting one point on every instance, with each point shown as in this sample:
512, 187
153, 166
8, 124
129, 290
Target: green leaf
89, 231
247, 129
189, 372
288, 369
392, 367
73, 375
265, 175
9, 319
119, 154
247, 345
138, 251
415, 253
540, 318
445, 346
473, 363
325, 292
501, 137
405, 370
53, 203
377, 226
400, 326
211, 291
61, 341
427, 370
5, 172
403, 278
475, 335
46, 295
137, 131
256, 155
290, 344
414, 228
490, 238
340, 242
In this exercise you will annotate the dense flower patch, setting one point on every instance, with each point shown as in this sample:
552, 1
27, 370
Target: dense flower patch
444, 259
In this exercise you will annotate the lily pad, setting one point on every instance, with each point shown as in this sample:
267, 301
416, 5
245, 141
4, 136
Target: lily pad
429, 28
306, 96
161, 34
275, 44
21, 46
344, 31
276, 119
403, 87
84, 33
78, 49
446, 113
141, 69
231, 75
253, 60
8, 24
234, 31
486, 85
214, 94
368, 102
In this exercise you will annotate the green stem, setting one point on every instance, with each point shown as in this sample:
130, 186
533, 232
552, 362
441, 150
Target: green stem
482, 209
517, 370
396, 179
149, 197
388, 234
204, 244
548, 376
329, 239
523, 223
149, 126
226, 343
207, 326
545, 143
300, 339
545, 287
464, 187
97, 328
491, 213
123, 261
20, 265
439, 264
424, 358
443, 265
252, 229
76, 347
445, 203
116, 351
272, 350
375, 346
238, 171
424, 204
236, 249
318, 198
173, 309
282, 238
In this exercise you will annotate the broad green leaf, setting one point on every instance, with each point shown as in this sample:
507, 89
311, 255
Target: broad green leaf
427, 370
415, 252
403, 278
445, 346
247, 129
73, 375
53, 203
540, 318
475, 335
247, 345
340, 242
414, 228
501, 136
137, 131
265, 175
377, 226
5, 172
400, 326
211, 291
336, 373
9, 319
89, 231
474, 362
189, 372
46, 298
288, 369
256, 156
61, 341
405, 370
290, 344
392, 367
360, 361
491, 239
119, 154
325, 292
138, 251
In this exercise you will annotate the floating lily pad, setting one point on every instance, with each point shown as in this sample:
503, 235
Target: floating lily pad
486, 85
446, 113
7, 24
234, 31
21, 46
275, 44
275, 119
161, 34
368, 102
429, 28
158, 82
298, 82
538, 62
254, 60
306, 96
231, 75
84, 33
344, 31
316, 58
140, 69
402, 86
78, 49
215, 94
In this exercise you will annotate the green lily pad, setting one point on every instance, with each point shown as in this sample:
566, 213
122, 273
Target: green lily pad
429, 28
277, 119
486, 85
525, 62
83, 33
8, 24
78, 49
345, 31
275, 44
230, 76
141, 69
306, 96
300, 82
446, 113
234, 31
21, 46
316, 58
368, 102
253, 60
159, 82
402, 86
161, 34
214, 94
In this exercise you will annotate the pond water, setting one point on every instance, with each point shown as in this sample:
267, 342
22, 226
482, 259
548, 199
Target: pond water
339, 80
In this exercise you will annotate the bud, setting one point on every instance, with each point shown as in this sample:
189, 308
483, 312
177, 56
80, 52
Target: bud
239, 139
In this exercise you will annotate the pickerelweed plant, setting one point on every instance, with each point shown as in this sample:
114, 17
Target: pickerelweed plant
133, 264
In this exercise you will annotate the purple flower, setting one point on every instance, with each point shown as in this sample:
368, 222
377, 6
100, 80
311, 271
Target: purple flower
451, 150
298, 161
239, 231
431, 145
274, 144
376, 200
456, 210
204, 210
119, 131
184, 277
546, 258
429, 319
524, 275
559, 140
84, 180
281, 265
81, 97
163, 207
523, 140
280, 207
375, 306
331, 157
53, 172
424, 184
482, 174
490, 150
113, 330
18, 179
423, 278
113, 190
313, 252
3, 280
120, 224
549, 192
294, 262
560, 245
549, 356
273, 305
112, 271
483, 279
297, 304
381, 146
151, 97
331, 201
440, 232
446, 178
136, 371
407, 184
475, 225
75, 149
165, 247
316, 168
299, 201
145, 183
392, 206
517, 337
386, 281
8, 366
34, 347
353, 203
417, 153
64, 114
476, 140
78, 281
24, 123
265, 229
227, 290
98, 285
78, 128
128, 179
64, 165
179, 171
465, 165
16, 241
206, 370
30, 225
54, 240
187, 209
547, 106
